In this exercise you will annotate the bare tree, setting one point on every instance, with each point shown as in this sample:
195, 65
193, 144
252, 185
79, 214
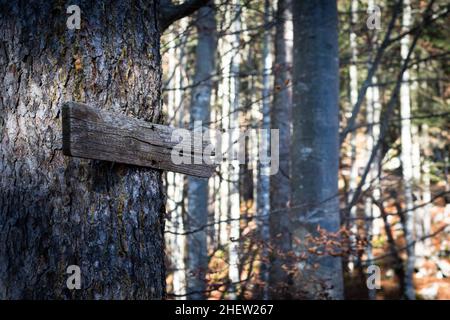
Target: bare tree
197, 260
280, 235
229, 186
406, 156
352, 154
315, 141
373, 186
263, 193
175, 182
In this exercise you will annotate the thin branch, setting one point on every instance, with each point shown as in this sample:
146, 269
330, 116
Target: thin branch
389, 109
373, 68
412, 243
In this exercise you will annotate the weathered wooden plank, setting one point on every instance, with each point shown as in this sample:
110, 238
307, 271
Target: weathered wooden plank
96, 134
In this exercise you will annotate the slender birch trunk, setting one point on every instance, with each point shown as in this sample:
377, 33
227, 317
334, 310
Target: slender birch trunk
235, 210
176, 240
225, 100
372, 213
406, 157
197, 193
229, 90
352, 152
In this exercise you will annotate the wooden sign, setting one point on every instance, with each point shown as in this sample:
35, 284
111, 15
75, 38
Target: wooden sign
92, 133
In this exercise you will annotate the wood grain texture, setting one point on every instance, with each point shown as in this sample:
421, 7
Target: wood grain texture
96, 134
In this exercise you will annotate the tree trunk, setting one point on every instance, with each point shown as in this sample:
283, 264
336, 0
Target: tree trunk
229, 189
197, 262
233, 163
406, 157
57, 211
352, 154
315, 149
263, 194
175, 182
371, 211
280, 190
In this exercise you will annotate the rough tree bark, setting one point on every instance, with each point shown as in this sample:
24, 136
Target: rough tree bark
280, 237
197, 262
57, 211
315, 142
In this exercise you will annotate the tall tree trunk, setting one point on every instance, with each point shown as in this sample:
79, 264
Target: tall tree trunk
57, 211
197, 262
352, 154
233, 169
373, 184
280, 235
315, 150
229, 90
215, 192
373, 115
225, 100
175, 182
372, 212
263, 195
406, 157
